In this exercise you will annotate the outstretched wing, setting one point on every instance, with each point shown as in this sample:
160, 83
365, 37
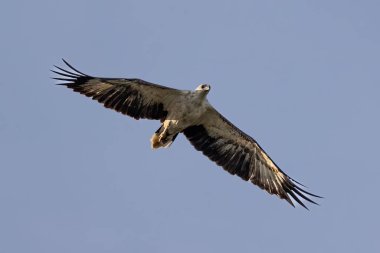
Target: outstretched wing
133, 97
241, 155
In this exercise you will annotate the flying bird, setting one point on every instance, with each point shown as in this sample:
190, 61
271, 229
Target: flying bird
190, 113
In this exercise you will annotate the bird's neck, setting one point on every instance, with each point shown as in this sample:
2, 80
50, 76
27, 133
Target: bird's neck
201, 94
199, 97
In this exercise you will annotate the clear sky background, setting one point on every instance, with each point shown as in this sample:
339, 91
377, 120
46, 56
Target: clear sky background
302, 77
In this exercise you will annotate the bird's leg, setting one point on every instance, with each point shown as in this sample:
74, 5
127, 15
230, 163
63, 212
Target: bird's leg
162, 137
159, 137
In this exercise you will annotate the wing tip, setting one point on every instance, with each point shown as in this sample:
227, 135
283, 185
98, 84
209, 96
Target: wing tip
71, 77
296, 192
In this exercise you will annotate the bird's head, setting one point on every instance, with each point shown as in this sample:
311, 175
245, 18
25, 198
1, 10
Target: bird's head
203, 88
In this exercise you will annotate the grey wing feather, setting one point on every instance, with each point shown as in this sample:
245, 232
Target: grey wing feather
134, 97
241, 155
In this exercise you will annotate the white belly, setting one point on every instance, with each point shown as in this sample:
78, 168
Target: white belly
187, 113
184, 112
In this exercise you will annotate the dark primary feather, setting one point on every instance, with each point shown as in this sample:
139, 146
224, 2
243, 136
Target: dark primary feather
240, 155
133, 97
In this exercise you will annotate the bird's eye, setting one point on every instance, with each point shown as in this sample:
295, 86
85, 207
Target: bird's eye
203, 86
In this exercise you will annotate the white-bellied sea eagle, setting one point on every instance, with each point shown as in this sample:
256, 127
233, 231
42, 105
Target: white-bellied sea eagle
189, 112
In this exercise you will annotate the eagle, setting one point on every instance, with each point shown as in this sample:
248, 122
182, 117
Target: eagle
190, 113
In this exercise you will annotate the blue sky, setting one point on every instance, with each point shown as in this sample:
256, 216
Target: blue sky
301, 77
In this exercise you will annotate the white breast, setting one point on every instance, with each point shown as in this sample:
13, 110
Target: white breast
186, 111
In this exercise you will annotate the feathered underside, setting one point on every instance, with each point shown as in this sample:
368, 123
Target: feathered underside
133, 97
240, 155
